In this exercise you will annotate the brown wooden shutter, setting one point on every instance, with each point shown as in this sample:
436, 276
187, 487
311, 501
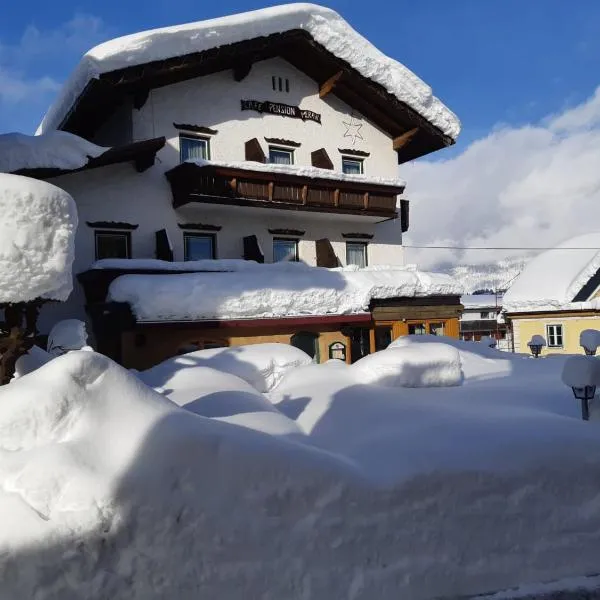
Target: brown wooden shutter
164, 251
320, 159
404, 215
254, 151
252, 249
325, 255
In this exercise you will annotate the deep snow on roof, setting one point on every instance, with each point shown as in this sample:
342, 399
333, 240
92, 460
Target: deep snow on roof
324, 25
553, 279
53, 150
272, 291
474, 301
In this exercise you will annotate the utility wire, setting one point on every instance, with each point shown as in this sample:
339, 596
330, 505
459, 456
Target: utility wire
489, 248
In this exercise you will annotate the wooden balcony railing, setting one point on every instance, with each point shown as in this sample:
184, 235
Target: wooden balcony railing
268, 189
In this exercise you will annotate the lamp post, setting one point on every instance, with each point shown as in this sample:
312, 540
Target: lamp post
536, 343
589, 340
582, 375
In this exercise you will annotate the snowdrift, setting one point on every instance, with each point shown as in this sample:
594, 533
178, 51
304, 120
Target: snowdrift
109, 489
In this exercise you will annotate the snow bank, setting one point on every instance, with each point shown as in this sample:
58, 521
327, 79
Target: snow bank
53, 150
431, 365
325, 26
211, 265
260, 365
108, 489
37, 230
32, 360
552, 280
267, 291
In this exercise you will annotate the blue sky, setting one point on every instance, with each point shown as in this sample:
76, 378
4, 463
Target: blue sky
494, 63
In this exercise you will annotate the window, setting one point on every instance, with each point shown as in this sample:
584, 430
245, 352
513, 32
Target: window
284, 249
280, 84
356, 254
352, 166
417, 329
436, 328
281, 156
486, 315
198, 246
193, 148
112, 244
554, 336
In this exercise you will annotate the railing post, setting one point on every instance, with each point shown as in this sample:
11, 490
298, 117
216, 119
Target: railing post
366, 200
271, 186
304, 193
336, 197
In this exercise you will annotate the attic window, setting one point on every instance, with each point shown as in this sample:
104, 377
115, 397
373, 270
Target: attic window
280, 84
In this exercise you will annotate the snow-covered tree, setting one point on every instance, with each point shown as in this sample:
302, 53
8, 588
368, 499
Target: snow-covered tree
37, 229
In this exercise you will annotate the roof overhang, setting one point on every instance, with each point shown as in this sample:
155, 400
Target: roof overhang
141, 154
413, 135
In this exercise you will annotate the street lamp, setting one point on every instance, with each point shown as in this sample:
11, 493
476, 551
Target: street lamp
582, 375
536, 343
589, 340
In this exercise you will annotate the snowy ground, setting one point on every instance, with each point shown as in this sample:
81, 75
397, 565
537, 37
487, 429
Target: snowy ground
425, 471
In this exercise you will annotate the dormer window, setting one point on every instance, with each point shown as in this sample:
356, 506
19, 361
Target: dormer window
352, 166
280, 84
194, 148
281, 156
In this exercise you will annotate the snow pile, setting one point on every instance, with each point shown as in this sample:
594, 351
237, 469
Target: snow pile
552, 280
37, 230
581, 371
211, 265
430, 365
271, 291
67, 335
29, 362
325, 26
52, 150
302, 171
140, 498
261, 365
589, 339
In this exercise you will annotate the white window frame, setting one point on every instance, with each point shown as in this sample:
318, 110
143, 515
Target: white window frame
365, 246
284, 239
194, 138
289, 151
353, 159
553, 337
199, 234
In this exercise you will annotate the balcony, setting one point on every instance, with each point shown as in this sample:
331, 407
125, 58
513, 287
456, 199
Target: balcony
266, 186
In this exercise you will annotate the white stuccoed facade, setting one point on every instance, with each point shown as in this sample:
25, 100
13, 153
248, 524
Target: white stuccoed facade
118, 193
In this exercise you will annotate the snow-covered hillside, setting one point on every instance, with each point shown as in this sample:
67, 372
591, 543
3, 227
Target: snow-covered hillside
322, 486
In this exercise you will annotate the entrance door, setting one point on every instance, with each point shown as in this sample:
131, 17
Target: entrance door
360, 343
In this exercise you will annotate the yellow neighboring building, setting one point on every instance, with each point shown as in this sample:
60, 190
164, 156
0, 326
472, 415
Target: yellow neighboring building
557, 296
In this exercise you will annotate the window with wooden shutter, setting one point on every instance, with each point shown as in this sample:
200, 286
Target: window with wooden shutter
164, 249
325, 255
252, 249
320, 159
404, 215
254, 151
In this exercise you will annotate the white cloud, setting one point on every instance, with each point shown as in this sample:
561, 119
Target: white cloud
530, 186
16, 87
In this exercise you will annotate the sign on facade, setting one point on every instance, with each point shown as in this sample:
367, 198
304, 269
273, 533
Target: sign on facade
337, 350
284, 110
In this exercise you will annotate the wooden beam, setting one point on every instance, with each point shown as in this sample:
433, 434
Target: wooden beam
404, 139
328, 86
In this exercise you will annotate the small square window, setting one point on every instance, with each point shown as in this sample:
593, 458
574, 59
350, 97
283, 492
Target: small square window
284, 249
112, 244
352, 166
417, 329
554, 336
486, 315
193, 148
198, 246
281, 156
356, 254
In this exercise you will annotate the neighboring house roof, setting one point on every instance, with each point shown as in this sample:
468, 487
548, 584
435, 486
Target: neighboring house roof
314, 39
481, 301
563, 278
59, 152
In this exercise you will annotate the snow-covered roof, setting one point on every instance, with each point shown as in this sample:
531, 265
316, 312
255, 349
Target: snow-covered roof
475, 301
53, 150
302, 171
324, 25
272, 291
37, 230
554, 278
